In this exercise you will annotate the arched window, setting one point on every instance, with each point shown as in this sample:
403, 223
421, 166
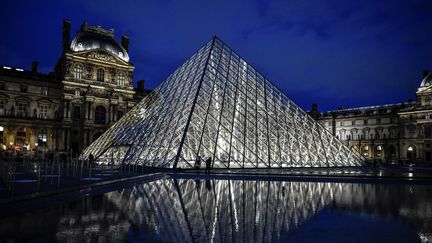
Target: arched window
100, 74
78, 71
42, 138
121, 79
21, 135
365, 151
100, 115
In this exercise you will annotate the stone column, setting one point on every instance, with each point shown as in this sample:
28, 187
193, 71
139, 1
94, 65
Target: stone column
69, 109
86, 110
109, 114
68, 139
92, 110
65, 109
85, 144
115, 113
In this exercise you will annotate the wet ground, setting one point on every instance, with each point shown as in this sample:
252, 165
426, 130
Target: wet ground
191, 207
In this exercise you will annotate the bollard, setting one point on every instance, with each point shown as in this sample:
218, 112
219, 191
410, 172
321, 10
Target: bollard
39, 177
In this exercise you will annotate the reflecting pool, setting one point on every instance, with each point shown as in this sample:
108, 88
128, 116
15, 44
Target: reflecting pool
174, 209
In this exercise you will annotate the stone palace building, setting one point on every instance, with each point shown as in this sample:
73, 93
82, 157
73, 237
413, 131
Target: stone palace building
65, 110
390, 133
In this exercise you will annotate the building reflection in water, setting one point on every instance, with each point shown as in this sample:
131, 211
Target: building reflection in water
179, 210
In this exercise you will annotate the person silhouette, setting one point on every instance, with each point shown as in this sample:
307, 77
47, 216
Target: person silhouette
198, 163
208, 165
91, 158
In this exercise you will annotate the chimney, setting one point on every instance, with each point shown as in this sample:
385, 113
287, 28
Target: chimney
35, 66
314, 107
125, 42
66, 34
425, 73
140, 87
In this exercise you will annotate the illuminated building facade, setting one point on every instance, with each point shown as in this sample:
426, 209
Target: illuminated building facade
66, 110
393, 133
217, 106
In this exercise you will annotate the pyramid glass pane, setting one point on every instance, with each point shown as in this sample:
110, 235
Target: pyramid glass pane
216, 105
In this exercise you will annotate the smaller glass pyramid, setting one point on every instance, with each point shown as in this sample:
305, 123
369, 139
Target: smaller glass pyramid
216, 105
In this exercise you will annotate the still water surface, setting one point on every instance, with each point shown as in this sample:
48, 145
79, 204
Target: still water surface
200, 210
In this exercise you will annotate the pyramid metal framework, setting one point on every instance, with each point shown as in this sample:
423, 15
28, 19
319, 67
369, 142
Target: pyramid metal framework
216, 105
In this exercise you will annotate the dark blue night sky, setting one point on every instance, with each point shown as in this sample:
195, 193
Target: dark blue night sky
335, 53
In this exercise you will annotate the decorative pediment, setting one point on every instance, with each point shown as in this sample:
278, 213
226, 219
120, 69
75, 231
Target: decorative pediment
23, 99
102, 55
44, 101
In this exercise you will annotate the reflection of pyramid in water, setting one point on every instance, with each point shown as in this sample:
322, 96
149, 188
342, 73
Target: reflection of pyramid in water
216, 105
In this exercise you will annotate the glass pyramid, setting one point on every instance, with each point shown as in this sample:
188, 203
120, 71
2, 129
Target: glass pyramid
216, 105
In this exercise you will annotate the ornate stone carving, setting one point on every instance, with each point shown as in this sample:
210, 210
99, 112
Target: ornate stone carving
101, 56
68, 67
113, 73
89, 69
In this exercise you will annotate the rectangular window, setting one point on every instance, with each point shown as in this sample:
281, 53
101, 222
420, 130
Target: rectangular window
365, 122
2, 86
45, 91
77, 112
23, 88
43, 111
378, 121
22, 109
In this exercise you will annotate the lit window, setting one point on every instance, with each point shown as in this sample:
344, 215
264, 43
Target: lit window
43, 111
100, 74
121, 79
365, 151
42, 138
20, 138
78, 71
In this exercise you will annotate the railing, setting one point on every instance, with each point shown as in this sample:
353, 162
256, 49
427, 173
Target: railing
53, 174
25, 115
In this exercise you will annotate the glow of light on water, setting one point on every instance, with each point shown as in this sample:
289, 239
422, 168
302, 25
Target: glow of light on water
236, 225
215, 217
